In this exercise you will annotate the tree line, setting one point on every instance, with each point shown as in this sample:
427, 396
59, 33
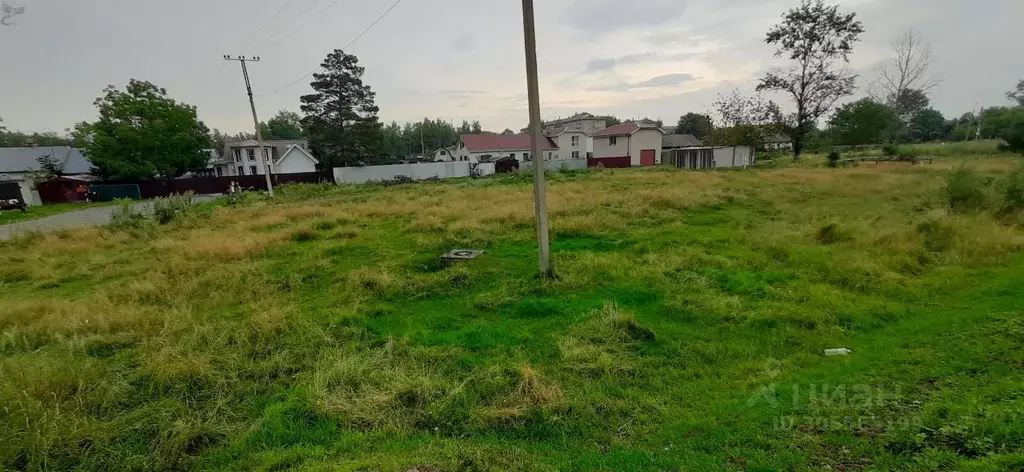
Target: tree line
818, 40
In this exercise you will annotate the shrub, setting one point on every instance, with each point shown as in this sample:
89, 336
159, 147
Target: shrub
166, 210
938, 236
1012, 190
128, 216
966, 191
833, 159
890, 150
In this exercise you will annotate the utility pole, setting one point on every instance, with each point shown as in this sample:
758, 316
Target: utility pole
536, 132
268, 163
423, 149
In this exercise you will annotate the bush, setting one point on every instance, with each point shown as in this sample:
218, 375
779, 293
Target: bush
833, 159
890, 150
128, 216
1013, 191
966, 191
166, 210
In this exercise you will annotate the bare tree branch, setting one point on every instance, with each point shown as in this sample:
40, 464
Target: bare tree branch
908, 70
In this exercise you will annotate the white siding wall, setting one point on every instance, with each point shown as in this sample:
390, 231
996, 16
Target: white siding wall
603, 148
359, 175
245, 162
565, 147
738, 156
520, 154
295, 162
645, 139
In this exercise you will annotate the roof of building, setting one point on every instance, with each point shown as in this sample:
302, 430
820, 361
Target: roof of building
25, 159
576, 117
680, 141
778, 138
497, 142
625, 129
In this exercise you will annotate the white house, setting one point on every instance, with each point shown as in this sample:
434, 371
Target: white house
628, 145
289, 157
444, 154
18, 167
477, 148
572, 144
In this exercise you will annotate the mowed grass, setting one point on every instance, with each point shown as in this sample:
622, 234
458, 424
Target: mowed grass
37, 212
684, 331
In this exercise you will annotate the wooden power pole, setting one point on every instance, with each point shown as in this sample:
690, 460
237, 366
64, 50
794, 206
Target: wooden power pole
268, 162
537, 133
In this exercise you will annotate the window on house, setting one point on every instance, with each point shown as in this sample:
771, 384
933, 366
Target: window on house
238, 155
526, 156
613, 141
575, 154
575, 140
241, 170
220, 171
251, 153
252, 170
549, 155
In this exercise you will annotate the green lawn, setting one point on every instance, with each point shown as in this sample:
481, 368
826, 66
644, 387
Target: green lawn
37, 212
685, 329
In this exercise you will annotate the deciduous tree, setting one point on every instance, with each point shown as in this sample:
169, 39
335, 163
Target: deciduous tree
284, 125
341, 117
906, 79
862, 122
142, 133
819, 39
698, 125
744, 120
927, 125
1017, 94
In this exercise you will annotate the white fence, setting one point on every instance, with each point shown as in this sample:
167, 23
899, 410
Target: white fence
361, 175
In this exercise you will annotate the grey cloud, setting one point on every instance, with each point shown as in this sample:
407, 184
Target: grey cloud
604, 16
609, 64
667, 80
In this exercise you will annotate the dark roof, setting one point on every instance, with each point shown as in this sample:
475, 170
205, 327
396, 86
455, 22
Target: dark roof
496, 142
680, 141
625, 129
24, 159
778, 138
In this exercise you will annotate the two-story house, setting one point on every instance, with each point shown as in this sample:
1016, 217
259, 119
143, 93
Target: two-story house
572, 144
286, 156
628, 145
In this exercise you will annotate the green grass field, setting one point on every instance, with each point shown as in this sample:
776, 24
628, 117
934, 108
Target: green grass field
37, 212
685, 329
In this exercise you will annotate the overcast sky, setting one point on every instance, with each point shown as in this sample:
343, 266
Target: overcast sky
463, 59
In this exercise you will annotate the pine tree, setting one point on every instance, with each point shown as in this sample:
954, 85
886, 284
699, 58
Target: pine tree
341, 117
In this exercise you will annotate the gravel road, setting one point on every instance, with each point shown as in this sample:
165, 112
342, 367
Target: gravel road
74, 219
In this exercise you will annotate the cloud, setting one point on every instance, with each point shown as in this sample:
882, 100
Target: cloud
610, 64
667, 80
600, 17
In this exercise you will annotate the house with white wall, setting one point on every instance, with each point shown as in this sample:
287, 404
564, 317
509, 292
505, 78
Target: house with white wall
445, 154
628, 145
288, 156
19, 167
572, 144
477, 148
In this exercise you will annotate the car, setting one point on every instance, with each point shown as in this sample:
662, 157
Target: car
13, 204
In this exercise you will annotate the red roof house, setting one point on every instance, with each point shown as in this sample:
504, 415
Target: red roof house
491, 147
628, 145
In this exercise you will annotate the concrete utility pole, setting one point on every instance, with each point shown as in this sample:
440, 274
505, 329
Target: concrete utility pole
537, 133
268, 164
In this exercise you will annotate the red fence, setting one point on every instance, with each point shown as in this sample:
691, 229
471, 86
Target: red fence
57, 191
610, 162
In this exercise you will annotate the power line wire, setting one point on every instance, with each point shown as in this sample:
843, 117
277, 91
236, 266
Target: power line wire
303, 12
367, 30
313, 18
264, 27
